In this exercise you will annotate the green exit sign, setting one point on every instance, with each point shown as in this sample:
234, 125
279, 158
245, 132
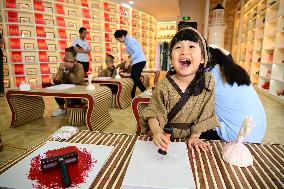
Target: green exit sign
185, 18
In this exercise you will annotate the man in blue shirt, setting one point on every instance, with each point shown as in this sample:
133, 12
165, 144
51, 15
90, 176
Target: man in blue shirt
137, 56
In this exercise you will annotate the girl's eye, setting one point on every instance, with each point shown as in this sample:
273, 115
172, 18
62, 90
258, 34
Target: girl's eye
177, 47
191, 46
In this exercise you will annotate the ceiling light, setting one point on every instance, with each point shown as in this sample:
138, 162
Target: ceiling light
131, 2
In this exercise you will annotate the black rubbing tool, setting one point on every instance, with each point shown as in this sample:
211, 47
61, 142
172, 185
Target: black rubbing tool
167, 132
60, 161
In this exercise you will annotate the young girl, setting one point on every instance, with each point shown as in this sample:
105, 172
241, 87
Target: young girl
184, 100
110, 70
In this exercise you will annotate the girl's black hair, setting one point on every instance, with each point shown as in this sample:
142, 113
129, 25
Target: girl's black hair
82, 29
72, 50
191, 35
120, 33
231, 72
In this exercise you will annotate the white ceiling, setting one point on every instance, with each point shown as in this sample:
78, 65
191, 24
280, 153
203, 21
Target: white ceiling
163, 10
170, 10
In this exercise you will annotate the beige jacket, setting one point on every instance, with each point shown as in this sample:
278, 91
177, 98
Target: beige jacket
108, 72
74, 76
199, 111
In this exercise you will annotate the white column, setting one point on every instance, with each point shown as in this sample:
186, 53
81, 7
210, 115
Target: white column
224, 3
217, 34
206, 18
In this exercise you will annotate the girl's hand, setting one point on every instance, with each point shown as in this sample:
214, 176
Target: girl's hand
161, 141
126, 65
195, 142
63, 66
55, 77
87, 51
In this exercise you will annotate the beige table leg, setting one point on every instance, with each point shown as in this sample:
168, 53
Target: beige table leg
25, 108
100, 117
124, 97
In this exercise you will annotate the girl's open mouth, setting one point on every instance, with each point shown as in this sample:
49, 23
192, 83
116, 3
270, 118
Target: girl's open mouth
185, 62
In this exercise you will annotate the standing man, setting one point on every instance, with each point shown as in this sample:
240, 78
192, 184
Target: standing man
82, 48
138, 58
1, 67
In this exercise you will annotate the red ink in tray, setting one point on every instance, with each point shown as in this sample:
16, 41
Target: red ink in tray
52, 179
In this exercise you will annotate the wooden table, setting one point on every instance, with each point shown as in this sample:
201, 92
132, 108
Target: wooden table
29, 105
147, 71
138, 104
209, 169
125, 85
151, 71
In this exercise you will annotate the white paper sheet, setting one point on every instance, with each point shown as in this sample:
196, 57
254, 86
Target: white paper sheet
102, 78
61, 87
125, 74
148, 169
20, 171
65, 132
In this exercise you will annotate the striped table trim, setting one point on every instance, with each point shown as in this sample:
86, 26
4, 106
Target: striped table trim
209, 169
125, 96
100, 116
267, 170
156, 72
27, 109
76, 115
125, 85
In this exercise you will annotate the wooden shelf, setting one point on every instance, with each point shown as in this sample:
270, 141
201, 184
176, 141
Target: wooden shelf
278, 80
149, 33
268, 78
264, 30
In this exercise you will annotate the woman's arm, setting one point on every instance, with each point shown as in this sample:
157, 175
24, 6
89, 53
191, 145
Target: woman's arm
81, 50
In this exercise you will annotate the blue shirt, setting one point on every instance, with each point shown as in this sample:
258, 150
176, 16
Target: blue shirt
134, 49
235, 103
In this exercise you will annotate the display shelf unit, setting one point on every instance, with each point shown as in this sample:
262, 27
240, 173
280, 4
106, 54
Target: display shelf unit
166, 31
261, 52
235, 41
36, 33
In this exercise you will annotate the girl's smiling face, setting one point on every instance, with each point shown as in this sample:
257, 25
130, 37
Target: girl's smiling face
186, 57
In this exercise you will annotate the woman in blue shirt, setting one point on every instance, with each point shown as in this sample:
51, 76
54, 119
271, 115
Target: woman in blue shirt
137, 57
236, 98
